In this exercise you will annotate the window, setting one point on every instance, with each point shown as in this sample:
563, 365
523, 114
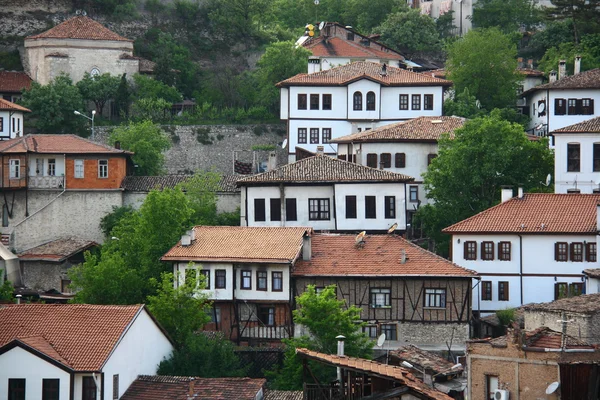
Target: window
560, 107
15, 169
416, 101
50, 389
491, 383
65, 286
220, 279
206, 274
275, 205
413, 194
301, 101
1, 124
290, 210
372, 160
326, 102
39, 166
89, 388
318, 209
314, 101
403, 102
371, 101
504, 251
435, 298
487, 251
390, 331
590, 252
266, 315
370, 207
561, 251
215, 315
386, 160
16, 389
115, 387
430, 158
350, 36
79, 169
381, 298
470, 250
596, 157
350, 207
261, 280
370, 331
52, 167
577, 252
390, 206
587, 106
301, 135
400, 160
314, 135
573, 157
561, 290
102, 168
277, 278
503, 291
572, 107
259, 209
357, 101
427, 102
246, 281
486, 290
326, 135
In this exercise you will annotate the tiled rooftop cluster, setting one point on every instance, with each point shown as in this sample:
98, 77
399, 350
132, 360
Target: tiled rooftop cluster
80, 27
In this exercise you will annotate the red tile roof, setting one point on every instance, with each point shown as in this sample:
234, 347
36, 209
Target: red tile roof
79, 336
543, 338
241, 244
337, 255
80, 27
56, 144
535, 213
417, 129
590, 126
530, 72
284, 395
57, 250
425, 360
346, 74
338, 47
147, 387
147, 183
585, 304
14, 82
584, 80
6, 105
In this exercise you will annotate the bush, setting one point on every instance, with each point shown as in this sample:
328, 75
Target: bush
506, 316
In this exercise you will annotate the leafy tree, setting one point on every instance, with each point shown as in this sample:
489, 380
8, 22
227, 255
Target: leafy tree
506, 15
567, 52
145, 87
174, 66
98, 89
462, 105
484, 61
109, 221
445, 25
201, 192
583, 14
147, 141
365, 19
123, 97
6, 289
155, 110
52, 106
239, 19
410, 32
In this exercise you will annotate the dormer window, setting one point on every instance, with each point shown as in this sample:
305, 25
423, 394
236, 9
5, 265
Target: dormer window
350, 36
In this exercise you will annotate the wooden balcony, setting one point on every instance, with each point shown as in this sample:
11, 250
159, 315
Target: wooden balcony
46, 182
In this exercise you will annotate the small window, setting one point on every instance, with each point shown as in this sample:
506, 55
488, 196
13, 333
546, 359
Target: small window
350, 36
390, 331
5, 215
275, 205
413, 194
486, 290
403, 102
590, 252
577, 252
350, 207
1, 124
290, 210
400, 160
16, 389
302, 135
220, 279
115, 387
52, 167
560, 107
314, 135
573, 157
370, 331
575, 289
435, 298
470, 250
504, 251
372, 160
301, 101
261, 280
65, 286
430, 158
79, 171
357, 101
572, 107
314, 101
561, 251
51, 389
587, 106
15, 169
259, 210
416, 101
390, 207
88, 388
371, 101
381, 298
206, 274
326, 102
326, 135
266, 315
487, 251
318, 209
596, 157
246, 280
386, 160
561, 290
277, 283
427, 102
370, 207
102, 168
503, 291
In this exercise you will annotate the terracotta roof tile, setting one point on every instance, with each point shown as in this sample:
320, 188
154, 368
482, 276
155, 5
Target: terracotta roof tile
424, 360
323, 169
535, 213
55, 144
14, 81
592, 272
436, 73
6, 105
338, 47
57, 250
283, 395
40, 344
584, 80
80, 27
542, 337
345, 74
417, 129
241, 244
337, 255
530, 72
586, 303
147, 387
590, 126
83, 335
147, 183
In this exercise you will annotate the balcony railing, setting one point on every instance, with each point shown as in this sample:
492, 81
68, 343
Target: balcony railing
46, 182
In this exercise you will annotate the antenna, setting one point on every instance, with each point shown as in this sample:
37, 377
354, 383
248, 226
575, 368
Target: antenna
393, 228
360, 239
552, 387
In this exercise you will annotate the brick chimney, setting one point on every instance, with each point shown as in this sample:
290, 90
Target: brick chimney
562, 69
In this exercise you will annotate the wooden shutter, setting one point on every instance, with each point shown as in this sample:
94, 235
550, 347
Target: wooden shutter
372, 160
556, 251
572, 251
591, 106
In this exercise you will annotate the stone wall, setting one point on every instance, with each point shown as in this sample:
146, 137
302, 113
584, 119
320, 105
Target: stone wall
40, 275
226, 202
583, 326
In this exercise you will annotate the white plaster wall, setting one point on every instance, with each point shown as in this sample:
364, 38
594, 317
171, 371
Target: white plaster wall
338, 128
226, 201
531, 82
481, 266
6, 127
560, 121
214, 294
364, 86
538, 255
390, 102
145, 343
592, 285
60, 164
540, 289
587, 179
338, 102
416, 156
283, 103
269, 294
21, 364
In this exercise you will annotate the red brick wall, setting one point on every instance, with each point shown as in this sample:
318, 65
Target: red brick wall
14, 183
117, 167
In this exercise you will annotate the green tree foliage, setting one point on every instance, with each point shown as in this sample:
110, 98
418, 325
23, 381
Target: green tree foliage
507, 15
145, 87
98, 89
52, 106
240, 19
462, 105
6, 289
445, 25
155, 110
201, 190
410, 32
567, 52
147, 141
484, 61
583, 14
109, 221
123, 97
174, 65
466, 177
506, 316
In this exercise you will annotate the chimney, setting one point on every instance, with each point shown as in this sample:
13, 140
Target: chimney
520, 62
191, 390
118, 145
272, 161
306, 247
18, 298
562, 69
506, 193
577, 65
530, 63
192, 234
186, 240
520, 192
340, 352
320, 150
552, 76
384, 69
403, 257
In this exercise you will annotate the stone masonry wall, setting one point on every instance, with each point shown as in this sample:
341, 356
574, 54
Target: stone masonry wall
583, 326
432, 333
40, 275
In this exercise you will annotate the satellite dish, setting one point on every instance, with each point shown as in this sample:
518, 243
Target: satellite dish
78, 12
83, 13
381, 340
360, 238
316, 2
284, 144
548, 179
392, 228
552, 387
321, 25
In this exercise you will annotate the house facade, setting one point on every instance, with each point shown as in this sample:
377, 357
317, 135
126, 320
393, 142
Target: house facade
528, 249
325, 194
363, 95
11, 119
53, 351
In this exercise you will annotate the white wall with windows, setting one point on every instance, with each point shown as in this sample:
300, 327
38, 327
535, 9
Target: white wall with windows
411, 102
220, 281
46, 165
309, 102
577, 163
364, 101
309, 134
11, 124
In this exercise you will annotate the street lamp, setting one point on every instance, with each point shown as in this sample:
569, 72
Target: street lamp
91, 119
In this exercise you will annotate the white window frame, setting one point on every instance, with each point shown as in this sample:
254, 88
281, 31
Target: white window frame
52, 167
102, 169
15, 168
79, 169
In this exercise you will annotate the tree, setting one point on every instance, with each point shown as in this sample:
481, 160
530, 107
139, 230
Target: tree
109, 221
174, 66
462, 105
148, 88
584, 15
6, 289
410, 32
465, 178
147, 141
123, 97
507, 15
445, 25
52, 106
201, 191
98, 89
567, 52
484, 61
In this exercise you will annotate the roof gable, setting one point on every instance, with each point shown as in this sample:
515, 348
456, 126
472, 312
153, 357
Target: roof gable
57, 144
338, 47
584, 80
590, 126
14, 81
6, 105
57, 250
80, 27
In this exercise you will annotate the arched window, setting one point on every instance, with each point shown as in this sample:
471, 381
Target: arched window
371, 101
357, 101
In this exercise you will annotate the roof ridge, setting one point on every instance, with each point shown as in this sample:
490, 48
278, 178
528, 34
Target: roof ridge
448, 228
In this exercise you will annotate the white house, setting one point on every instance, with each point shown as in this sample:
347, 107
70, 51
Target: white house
528, 249
404, 147
77, 351
247, 275
577, 157
462, 11
11, 119
326, 194
351, 98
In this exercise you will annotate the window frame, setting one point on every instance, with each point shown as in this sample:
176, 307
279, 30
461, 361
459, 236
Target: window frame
50, 389
573, 157
17, 388
390, 330
357, 101
403, 102
589, 108
206, 273
270, 314
438, 295
371, 101
503, 253
351, 207
591, 252
386, 292
576, 251
470, 250
486, 291
115, 386
276, 276
315, 99
314, 135
220, 274
370, 207
487, 250
413, 194
390, 207
86, 388
428, 102
289, 215
79, 169
561, 251
400, 160
558, 290
503, 291
596, 157
14, 168
302, 101
572, 107
372, 160
322, 211
275, 205
326, 101
302, 135
430, 158
325, 135
245, 279
1, 124
415, 102
51, 167
103, 169
260, 212
262, 281
385, 160
560, 107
